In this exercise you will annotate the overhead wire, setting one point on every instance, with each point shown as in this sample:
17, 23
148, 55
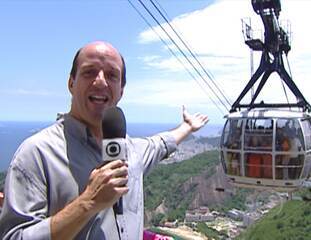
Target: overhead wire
283, 85
290, 72
193, 54
181, 51
174, 54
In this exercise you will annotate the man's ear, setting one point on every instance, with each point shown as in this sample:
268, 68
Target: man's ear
70, 84
121, 94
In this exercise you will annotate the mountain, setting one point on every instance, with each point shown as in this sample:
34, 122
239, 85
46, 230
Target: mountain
173, 186
191, 147
172, 189
292, 220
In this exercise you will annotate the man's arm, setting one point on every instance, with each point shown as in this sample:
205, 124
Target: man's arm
106, 185
191, 123
24, 213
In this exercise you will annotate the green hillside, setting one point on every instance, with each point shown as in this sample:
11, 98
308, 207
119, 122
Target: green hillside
291, 221
165, 182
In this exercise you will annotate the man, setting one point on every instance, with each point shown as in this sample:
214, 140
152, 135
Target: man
57, 186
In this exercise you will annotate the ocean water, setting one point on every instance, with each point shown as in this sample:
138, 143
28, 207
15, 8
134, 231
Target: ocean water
12, 134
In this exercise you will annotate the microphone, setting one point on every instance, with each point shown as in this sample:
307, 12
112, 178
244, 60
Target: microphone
113, 143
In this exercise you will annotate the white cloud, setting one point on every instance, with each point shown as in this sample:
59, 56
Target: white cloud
155, 92
212, 30
215, 34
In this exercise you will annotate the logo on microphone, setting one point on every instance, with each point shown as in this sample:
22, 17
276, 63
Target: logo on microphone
113, 149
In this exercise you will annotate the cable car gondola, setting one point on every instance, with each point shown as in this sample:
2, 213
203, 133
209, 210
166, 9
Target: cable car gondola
268, 145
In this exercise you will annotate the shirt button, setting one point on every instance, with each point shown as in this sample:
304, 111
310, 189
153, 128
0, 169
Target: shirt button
122, 230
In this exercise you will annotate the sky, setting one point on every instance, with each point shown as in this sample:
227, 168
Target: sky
39, 39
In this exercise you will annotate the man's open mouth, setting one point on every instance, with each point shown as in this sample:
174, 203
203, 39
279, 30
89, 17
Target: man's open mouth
98, 99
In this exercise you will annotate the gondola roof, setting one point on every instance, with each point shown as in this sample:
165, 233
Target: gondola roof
268, 113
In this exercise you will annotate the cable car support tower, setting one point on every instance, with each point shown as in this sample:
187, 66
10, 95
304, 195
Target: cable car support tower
276, 44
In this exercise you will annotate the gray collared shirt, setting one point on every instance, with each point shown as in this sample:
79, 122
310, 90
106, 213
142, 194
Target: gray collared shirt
52, 167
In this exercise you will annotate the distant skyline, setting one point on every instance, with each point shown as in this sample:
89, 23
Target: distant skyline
39, 39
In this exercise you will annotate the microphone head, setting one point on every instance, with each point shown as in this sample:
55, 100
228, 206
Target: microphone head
113, 123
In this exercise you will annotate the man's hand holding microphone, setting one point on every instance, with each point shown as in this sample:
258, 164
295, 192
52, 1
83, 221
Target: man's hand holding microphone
107, 183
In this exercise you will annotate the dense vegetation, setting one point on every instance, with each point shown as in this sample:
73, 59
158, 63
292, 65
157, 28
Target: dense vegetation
165, 183
290, 221
214, 141
211, 233
305, 194
236, 201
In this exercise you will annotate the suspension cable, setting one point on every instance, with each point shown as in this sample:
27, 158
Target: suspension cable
174, 54
193, 54
181, 51
290, 72
283, 85
285, 92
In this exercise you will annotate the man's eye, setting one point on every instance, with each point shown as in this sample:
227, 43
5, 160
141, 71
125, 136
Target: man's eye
113, 76
90, 73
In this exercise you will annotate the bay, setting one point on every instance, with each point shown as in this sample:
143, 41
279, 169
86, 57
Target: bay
12, 134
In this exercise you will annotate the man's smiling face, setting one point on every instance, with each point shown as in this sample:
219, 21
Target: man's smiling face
96, 85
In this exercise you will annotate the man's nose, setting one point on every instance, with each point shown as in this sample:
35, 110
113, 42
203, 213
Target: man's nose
100, 78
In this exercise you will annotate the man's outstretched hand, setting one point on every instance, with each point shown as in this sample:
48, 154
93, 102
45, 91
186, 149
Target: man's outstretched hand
191, 123
195, 121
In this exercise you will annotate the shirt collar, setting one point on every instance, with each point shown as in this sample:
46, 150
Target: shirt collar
76, 128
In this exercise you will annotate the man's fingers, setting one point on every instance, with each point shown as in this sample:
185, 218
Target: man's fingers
109, 171
184, 111
107, 174
122, 190
112, 165
115, 164
119, 182
204, 118
120, 172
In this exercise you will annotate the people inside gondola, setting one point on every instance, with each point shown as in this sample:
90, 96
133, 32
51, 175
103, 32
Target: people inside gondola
266, 159
295, 158
260, 144
233, 158
282, 145
254, 159
290, 143
234, 139
233, 163
282, 139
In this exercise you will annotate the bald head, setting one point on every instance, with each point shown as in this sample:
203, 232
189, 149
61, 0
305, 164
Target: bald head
99, 47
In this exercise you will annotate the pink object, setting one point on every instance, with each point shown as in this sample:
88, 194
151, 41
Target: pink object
1, 199
155, 236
